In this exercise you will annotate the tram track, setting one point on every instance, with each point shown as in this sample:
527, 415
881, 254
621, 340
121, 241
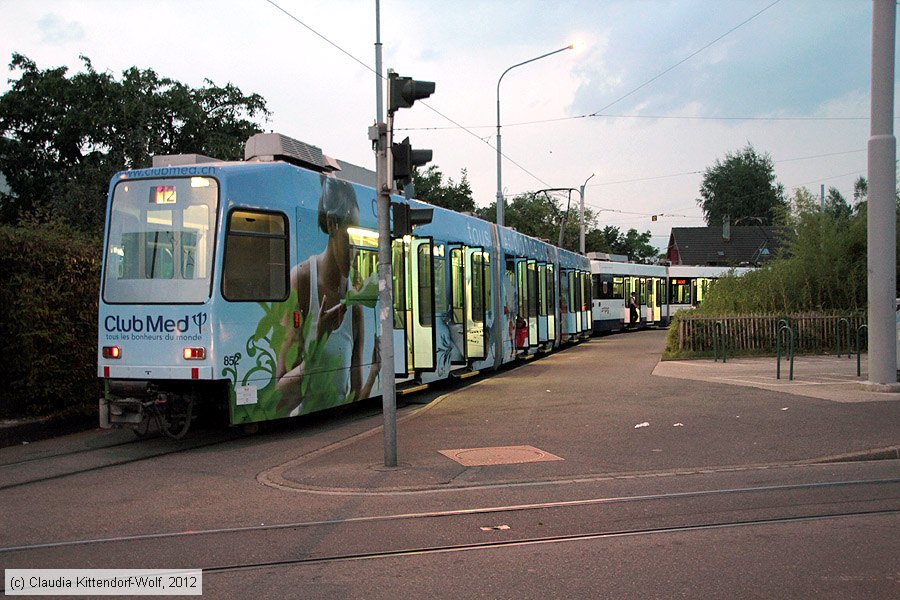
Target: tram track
577, 537
54, 466
675, 511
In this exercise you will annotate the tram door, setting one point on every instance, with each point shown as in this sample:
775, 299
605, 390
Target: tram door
420, 332
478, 296
469, 281
629, 288
586, 319
524, 293
656, 291
543, 334
533, 333
650, 295
549, 283
413, 274
573, 298
399, 252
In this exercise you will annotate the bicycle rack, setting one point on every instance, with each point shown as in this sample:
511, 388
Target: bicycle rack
846, 322
859, 346
719, 334
781, 329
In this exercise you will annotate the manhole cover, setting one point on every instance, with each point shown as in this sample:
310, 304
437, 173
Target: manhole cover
498, 455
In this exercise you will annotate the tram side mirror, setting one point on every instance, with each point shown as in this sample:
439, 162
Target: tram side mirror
406, 218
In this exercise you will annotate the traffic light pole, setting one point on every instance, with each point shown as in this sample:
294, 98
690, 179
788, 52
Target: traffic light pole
382, 134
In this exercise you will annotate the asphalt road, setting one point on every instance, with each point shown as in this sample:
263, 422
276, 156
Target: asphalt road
719, 507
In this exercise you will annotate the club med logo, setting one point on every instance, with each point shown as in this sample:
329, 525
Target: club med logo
155, 324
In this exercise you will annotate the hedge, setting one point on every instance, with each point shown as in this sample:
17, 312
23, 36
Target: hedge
48, 321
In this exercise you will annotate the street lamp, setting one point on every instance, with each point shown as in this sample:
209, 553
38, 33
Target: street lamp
581, 234
499, 153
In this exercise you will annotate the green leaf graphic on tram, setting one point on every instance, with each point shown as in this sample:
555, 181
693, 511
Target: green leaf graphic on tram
367, 295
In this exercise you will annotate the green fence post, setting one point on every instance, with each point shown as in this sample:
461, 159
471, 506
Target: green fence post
790, 349
846, 322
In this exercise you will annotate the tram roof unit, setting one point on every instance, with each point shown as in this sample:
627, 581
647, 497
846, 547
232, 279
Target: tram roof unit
606, 267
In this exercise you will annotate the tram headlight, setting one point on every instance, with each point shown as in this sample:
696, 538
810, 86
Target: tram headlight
194, 353
112, 352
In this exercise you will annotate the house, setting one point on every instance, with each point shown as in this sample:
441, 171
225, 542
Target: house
726, 246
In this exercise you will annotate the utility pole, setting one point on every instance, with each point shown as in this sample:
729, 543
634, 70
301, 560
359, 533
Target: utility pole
882, 219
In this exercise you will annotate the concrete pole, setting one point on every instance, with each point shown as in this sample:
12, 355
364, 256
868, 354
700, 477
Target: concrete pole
882, 241
500, 204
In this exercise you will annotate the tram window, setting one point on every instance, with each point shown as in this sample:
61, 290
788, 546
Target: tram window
424, 285
457, 284
542, 290
364, 272
522, 288
477, 287
602, 288
618, 288
440, 280
574, 293
256, 257
365, 265
551, 290
586, 291
486, 266
680, 291
532, 290
398, 272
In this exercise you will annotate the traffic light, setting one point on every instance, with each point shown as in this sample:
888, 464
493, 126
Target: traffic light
403, 91
406, 217
405, 159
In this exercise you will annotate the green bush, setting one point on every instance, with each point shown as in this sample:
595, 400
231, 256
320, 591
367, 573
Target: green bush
48, 323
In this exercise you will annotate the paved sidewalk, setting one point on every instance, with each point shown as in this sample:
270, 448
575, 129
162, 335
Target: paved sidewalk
825, 377
607, 408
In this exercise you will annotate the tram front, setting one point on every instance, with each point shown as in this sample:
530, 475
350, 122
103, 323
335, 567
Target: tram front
154, 330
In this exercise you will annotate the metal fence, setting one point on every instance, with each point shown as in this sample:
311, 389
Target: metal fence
756, 334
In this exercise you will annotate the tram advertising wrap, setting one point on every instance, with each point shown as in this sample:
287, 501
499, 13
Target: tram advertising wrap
253, 286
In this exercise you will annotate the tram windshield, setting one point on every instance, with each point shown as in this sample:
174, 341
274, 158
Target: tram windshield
160, 246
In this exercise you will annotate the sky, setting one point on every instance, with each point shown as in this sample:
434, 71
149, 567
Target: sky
655, 92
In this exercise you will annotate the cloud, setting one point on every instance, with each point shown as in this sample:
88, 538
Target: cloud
57, 31
786, 61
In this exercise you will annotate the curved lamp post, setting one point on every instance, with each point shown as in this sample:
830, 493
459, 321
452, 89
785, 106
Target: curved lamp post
581, 212
500, 202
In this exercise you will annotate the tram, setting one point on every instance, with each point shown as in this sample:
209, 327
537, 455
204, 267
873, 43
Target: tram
251, 287
660, 291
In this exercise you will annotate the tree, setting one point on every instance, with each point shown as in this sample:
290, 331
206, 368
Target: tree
836, 205
741, 186
62, 137
860, 190
541, 214
430, 187
636, 246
